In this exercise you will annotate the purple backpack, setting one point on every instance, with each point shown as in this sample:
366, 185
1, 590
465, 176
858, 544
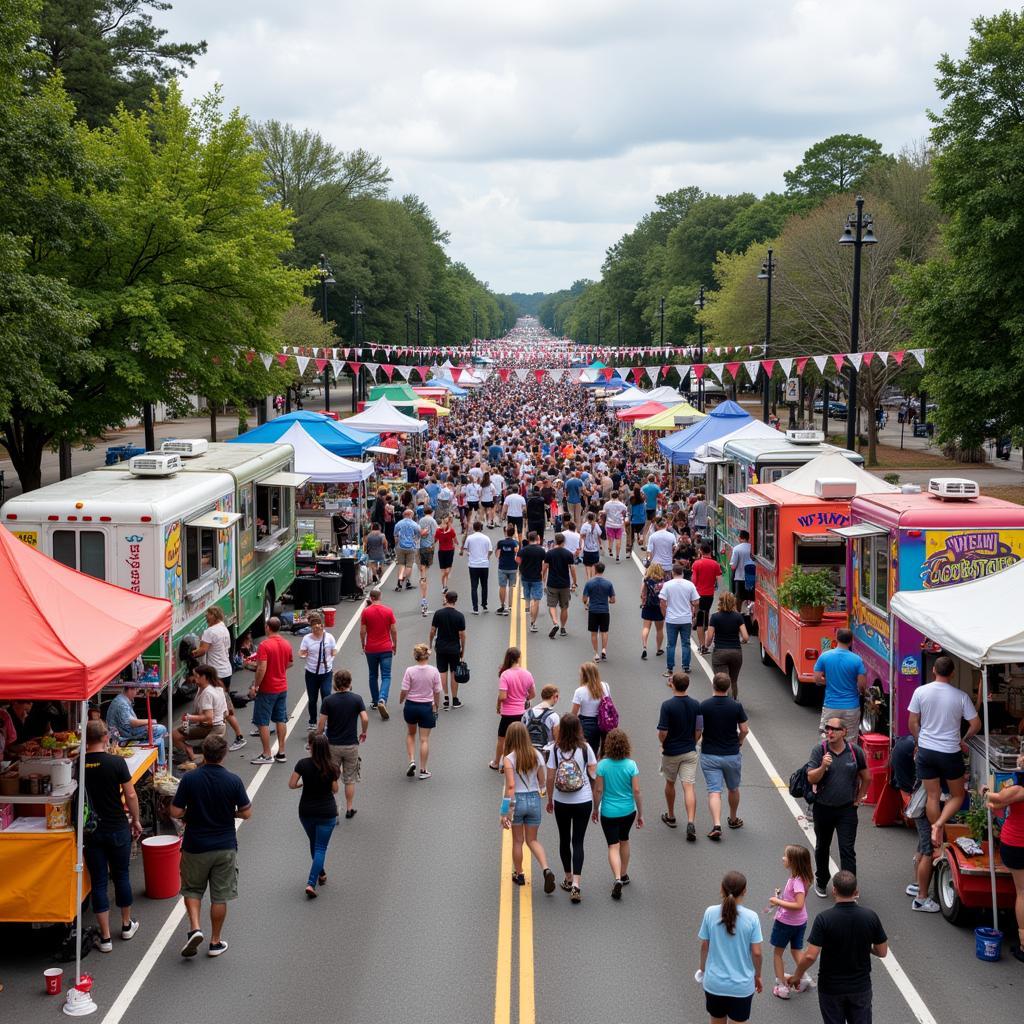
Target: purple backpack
607, 714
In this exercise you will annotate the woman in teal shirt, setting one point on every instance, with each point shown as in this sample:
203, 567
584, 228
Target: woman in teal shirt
617, 803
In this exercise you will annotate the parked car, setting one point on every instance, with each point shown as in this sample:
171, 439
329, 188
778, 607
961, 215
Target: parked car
836, 410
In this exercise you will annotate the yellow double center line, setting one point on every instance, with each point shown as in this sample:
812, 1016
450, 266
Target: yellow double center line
517, 634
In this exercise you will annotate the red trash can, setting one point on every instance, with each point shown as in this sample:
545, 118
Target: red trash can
161, 861
876, 753
329, 614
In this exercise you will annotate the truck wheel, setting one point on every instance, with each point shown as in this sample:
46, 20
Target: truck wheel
268, 605
953, 909
801, 691
875, 711
766, 658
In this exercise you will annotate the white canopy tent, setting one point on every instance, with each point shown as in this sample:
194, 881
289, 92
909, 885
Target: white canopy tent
313, 460
832, 464
383, 417
755, 428
636, 396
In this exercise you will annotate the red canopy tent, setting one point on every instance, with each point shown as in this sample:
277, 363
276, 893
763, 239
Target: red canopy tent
639, 412
64, 635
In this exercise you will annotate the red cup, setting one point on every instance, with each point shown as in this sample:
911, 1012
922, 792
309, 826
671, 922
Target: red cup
53, 977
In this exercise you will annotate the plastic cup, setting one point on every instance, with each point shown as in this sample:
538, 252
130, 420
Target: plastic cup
53, 977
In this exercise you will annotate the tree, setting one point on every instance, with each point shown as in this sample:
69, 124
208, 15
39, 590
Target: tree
836, 164
108, 52
965, 303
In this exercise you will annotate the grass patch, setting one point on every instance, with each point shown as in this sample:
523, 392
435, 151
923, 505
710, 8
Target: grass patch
890, 457
1009, 493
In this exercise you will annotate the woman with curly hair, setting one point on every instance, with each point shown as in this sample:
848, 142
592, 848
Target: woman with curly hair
617, 803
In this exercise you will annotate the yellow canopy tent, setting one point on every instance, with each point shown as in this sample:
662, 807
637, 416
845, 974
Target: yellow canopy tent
667, 420
428, 407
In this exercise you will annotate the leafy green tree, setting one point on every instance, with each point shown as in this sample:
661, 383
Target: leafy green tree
836, 164
108, 52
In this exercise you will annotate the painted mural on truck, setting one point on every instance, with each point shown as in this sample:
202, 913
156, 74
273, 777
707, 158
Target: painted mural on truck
961, 556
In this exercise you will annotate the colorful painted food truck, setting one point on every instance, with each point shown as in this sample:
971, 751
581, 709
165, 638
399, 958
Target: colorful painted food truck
920, 541
793, 524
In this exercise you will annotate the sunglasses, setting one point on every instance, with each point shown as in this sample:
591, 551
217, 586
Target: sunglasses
835, 728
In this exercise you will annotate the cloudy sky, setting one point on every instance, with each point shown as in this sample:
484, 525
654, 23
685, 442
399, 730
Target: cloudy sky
538, 131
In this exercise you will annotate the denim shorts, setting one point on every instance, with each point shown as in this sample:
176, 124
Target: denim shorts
788, 936
719, 767
507, 577
924, 835
270, 707
533, 590
527, 809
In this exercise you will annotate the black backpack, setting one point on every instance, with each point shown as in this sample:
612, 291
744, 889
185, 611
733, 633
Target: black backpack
799, 785
537, 727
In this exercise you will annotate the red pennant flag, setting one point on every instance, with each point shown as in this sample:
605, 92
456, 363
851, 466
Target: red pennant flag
607, 372
504, 373
388, 369
282, 358
638, 374
838, 358
699, 370
354, 367
868, 356
422, 371
898, 356
664, 370
768, 365
734, 369
250, 356
540, 375
801, 362
321, 365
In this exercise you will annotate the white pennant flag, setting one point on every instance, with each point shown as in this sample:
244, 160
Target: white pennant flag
652, 373
819, 362
589, 375
336, 366
483, 372
303, 362
522, 374
556, 374
404, 370
622, 371
752, 365
266, 360
715, 369
856, 358
373, 368
787, 366
882, 357
918, 354
575, 373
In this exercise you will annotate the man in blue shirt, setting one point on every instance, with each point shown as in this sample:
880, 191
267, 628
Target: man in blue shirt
843, 675
407, 542
574, 496
122, 720
508, 568
598, 596
494, 454
650, 491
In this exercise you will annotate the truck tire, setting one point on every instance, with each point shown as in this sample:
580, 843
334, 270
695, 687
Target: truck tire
268, 606
949, 900
802, 692
766, 658
875, 711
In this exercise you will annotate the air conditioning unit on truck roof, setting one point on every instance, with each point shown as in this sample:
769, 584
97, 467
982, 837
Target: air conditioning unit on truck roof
805, 436
186, 448
155, 464
952, 488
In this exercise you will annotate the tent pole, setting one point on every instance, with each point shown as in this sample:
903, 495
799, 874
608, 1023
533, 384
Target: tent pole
892, 678
991, 841
79, 854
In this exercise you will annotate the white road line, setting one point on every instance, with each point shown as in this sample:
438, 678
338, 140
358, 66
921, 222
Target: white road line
177, 913
905, 986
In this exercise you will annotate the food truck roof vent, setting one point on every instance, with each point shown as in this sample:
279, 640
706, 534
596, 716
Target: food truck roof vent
952, 488
832, 487
155, 464
910, 488
805, 436
187, 448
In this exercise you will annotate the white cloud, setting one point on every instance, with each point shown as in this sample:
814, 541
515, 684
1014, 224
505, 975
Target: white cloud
538, 131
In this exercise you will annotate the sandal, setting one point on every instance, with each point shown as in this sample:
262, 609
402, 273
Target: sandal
519, 879
735, 822
494, 767
575, 895
671, 822
566, 885
659, 652
715, 834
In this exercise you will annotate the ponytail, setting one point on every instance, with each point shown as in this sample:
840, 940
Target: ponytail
734, 885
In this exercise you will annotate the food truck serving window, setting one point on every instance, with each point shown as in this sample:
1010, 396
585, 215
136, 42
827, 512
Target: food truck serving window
84, 550
765, 532
873, 559
200, 553
273, 508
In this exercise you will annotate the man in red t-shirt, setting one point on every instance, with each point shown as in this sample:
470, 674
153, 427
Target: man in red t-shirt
270, 690
378, 633
705, 572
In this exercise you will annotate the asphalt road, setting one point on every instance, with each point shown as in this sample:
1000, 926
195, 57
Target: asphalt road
419, 920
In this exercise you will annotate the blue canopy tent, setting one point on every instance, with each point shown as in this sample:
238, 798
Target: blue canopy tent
327, 432
448, 385
613, 383
680, 447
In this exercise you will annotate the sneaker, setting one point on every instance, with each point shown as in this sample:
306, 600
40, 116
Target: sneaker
617, 890
549, 881
926, 906
643, 654
485, 609
411, 771
604, 655
238, 743
446, 704
456, 703
216, 948
104, 945
562, 632
805, 984
192, 943
382, 710
533, 627
553, 632
408, 585
424, 774
373, 706
820, 892
280, 757
781, 991
262, 759
475, 611
501, 610
128, 930
423, 610
691, 832
624, 879
254, 731
398, 589
575, 895
912, 890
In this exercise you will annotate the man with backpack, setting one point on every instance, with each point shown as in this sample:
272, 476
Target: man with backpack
839, 774
541, 721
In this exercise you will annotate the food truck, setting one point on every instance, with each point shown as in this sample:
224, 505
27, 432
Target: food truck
200, 524
793, 523
919, 541
733, 465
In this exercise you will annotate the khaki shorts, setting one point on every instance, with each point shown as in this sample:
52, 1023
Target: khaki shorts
680, 766
216, 868
199, 730
558, 598
406, 557
348, 760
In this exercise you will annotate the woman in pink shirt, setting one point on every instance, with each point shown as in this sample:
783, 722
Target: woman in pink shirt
515, 689
421, 696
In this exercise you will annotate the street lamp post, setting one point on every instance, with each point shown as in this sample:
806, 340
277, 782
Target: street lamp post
700, 349
407, 317
618, 326
357, 313
858, 232
767, 273
472, 341
661, 314
419, 318
326, 278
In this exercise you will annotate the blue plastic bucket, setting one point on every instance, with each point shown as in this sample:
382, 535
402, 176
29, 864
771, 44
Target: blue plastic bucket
988, 944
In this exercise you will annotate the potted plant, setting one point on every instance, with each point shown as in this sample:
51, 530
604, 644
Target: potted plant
976, 819
309, 543
807, 593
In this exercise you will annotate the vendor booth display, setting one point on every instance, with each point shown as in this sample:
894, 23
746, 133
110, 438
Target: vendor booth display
670, 418
382, 417
631, 413
664, 395
337, 438
681, 447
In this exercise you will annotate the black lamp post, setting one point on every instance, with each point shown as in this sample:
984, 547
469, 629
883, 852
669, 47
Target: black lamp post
859, 231
767, 273
407, 317
326, 278
661, 314
357, 314
618, 325
472, 341
419, 318
700, 349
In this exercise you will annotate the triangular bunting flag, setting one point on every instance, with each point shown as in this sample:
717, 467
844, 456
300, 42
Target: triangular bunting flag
321, 365
389, 370
540, 374
856, 358
522, 374
404, 371
752, 366
336, 366
837, 358
882, 357
715, 369
622, 371
652, 373
898, 357
819, 362
282, 358
786, 365
267, 360
768, 365
605, 372
638, 374
354, 367
575, 374
303, 362
371, 369
556, 374
588, 374
484, 372
868, 356
250, 356
504, 373
801, 362
734, 369
423, 371
918, 354
699, 370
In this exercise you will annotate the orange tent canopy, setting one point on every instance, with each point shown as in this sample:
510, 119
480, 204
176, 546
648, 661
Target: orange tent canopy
640, 412
63, 634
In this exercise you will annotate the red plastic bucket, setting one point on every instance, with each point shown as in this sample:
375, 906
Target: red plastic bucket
329, 614
161, 860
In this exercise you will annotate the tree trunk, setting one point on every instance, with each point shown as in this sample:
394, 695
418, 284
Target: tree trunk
65, 459
25, 450
872, 440
213, 418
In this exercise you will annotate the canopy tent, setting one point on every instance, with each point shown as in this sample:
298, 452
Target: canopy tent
631, 396
383, 417
667, 420
640, 412
435, 394
752, 429
397, 394
832, 464
329, 433
448, 385
600, 382
64, 636
426, 407
680, 448
312, 459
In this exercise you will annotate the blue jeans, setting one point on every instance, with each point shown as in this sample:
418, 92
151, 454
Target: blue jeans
681, 631
319, 831
141, 734
318, 684
109, 850
379, 662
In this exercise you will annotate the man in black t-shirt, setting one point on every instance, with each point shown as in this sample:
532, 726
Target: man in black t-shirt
679, 730
725, 728
508, 566
560, 576
536, 512
531, 572
845, 936
448, 638
344, 718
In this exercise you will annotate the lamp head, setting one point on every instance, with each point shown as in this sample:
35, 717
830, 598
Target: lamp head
847, 237
868, 238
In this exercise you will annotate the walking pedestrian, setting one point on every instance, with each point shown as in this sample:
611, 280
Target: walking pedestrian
560, 577
651, 492
571, 767
678, 600
843, 675
376, 548
480, 548
515, 688
740, 563
378, 637
520, 809
726, 631
704, 573
531, 559
790, 905
514, 510
721, 763
215, 650
839, 773
343, 720
542, 720
407, 543
598, 597
508, 566
679, 732
428, 538
661, 546
108, 847
317, 777
270, 690
421, 695
1011, 846
845, 936
730, 954
650, 610
446, 538
637, 520
209, 799
617, 803
590, 535
318, 648
448, 638
536, 511
615, 513
587, 699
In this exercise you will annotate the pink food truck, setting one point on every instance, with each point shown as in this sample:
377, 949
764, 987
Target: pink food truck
921, 541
